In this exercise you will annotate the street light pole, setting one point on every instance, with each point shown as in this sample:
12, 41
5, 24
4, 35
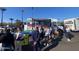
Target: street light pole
22, 16
11, 21
2, 11
22, 25
2, 18
32, 17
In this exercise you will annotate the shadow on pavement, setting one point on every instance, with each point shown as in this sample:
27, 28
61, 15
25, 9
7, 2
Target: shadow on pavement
27, 48
55, 43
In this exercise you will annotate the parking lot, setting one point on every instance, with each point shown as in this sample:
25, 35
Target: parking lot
64, 45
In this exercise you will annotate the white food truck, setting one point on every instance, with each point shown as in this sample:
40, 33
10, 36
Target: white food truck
72, 23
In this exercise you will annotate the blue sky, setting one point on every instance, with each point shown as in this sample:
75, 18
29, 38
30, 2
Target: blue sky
40, 12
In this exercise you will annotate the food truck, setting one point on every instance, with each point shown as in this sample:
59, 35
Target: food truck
72, 23
32, 23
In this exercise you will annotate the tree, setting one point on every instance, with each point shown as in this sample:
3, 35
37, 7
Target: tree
18, 23
61, 23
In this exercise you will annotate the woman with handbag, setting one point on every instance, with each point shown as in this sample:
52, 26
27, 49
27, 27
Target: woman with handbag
68, 33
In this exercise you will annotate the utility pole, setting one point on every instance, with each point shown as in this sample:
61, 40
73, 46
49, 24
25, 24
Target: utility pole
11, 19
2, 11
22, 16
32, 17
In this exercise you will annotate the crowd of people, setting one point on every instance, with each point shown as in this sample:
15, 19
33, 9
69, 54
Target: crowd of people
37, 39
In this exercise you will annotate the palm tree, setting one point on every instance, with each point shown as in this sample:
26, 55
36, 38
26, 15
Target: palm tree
2, 11
11, 21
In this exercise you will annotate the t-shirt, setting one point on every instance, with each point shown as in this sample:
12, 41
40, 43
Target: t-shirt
67, 30
19, 36
35, 35
47, 32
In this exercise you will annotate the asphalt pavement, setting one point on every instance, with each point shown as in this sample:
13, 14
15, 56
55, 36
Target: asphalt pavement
64, 45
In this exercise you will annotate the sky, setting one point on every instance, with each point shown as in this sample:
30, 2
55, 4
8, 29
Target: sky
59, 13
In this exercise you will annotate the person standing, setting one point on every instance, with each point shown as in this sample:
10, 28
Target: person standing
68, 33
19, 38
41, 37
42, 33
8, 41
47, 35
31, 41
35, 36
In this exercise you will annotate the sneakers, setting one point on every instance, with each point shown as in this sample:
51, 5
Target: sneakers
68, 40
